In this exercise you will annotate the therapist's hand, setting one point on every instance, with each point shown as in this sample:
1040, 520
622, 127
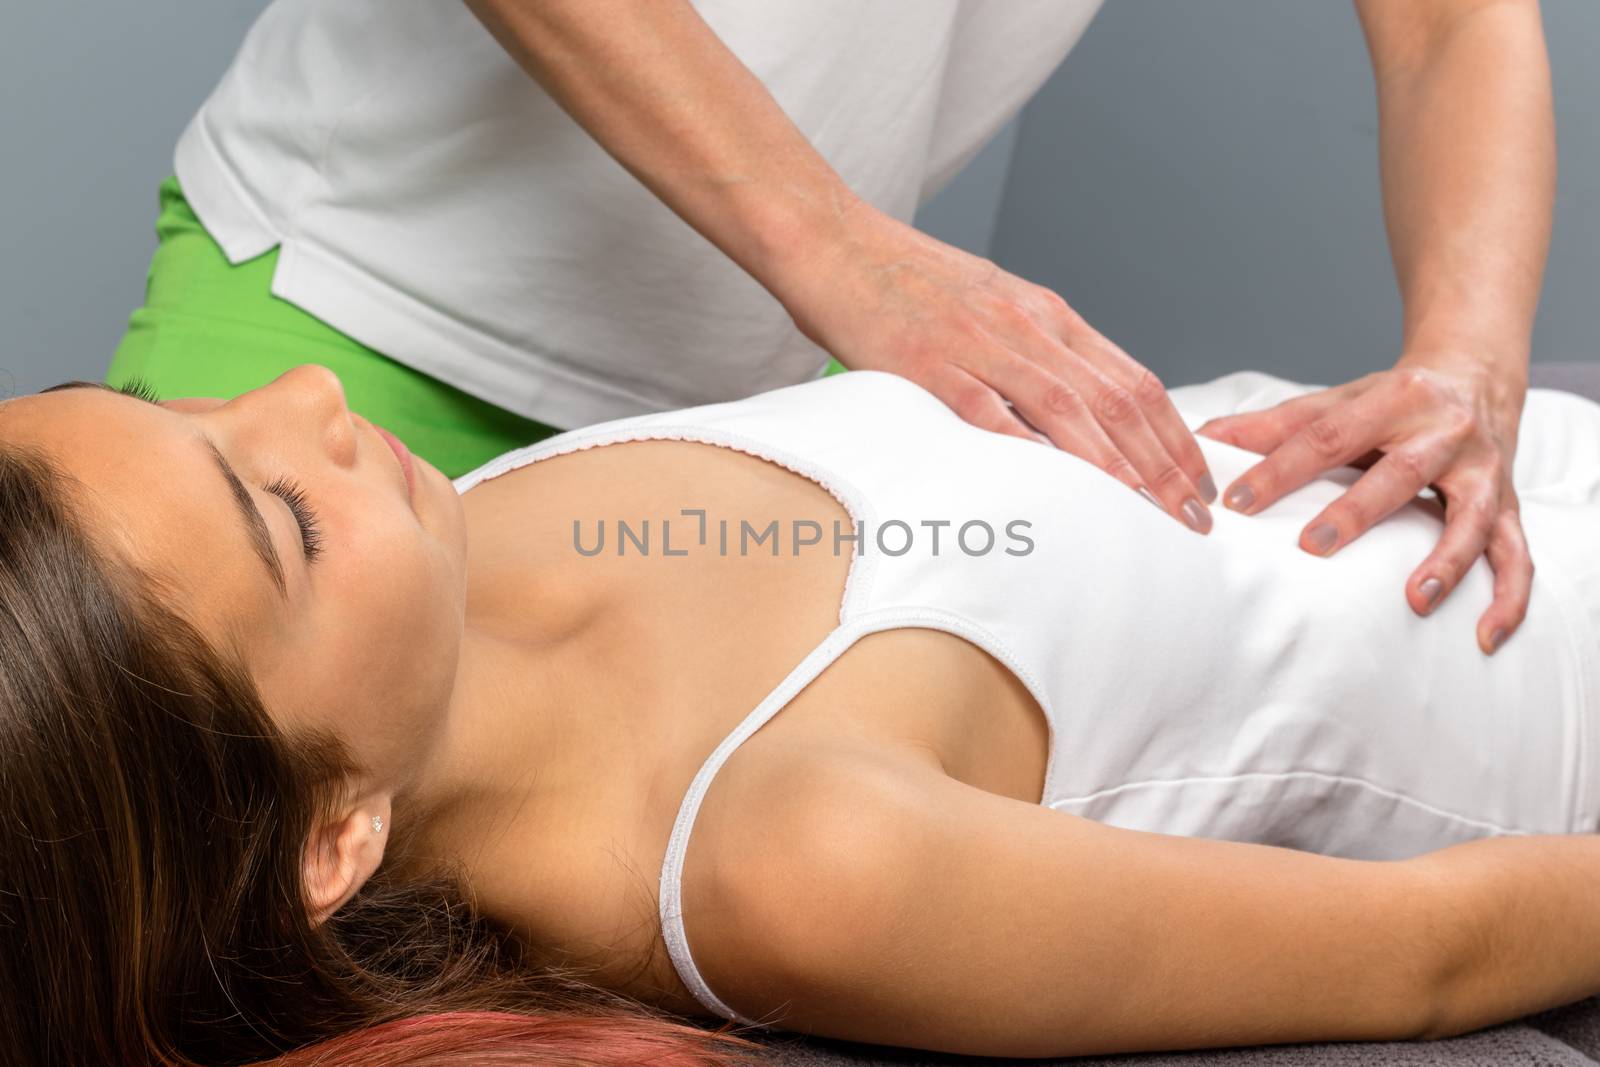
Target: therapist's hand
884, 296
1449, 423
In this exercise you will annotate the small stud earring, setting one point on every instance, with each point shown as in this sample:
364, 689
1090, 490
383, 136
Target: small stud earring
377, 824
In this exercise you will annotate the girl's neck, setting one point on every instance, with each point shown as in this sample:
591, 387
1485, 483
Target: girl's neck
522, 683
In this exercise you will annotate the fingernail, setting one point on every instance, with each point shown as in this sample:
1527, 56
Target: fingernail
1496, 637
1240, 496
1195, 514
1148, 495
1430, 589
1207, 487
1322, 536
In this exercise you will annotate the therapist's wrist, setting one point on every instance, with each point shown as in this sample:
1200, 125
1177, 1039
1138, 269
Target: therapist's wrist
1493, 336
834, 271
1502, 365
803, 237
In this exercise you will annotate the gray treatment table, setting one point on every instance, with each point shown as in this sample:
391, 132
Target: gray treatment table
1563, 1037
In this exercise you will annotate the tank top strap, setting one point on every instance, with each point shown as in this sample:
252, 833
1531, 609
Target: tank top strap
671, 895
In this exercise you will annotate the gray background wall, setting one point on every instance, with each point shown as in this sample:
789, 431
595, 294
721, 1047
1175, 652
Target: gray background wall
93, 96
1198, 179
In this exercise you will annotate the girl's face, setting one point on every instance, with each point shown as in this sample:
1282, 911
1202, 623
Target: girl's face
283, 527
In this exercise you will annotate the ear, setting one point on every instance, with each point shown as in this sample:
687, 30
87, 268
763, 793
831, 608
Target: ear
342, 853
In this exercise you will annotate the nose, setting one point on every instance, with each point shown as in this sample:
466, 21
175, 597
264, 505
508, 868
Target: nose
304, 404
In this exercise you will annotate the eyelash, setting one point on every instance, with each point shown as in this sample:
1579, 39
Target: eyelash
295, 497
140, 388
291, 493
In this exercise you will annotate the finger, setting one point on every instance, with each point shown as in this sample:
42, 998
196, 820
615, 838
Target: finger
1329, 440
978, 404
1470, 512
1391, 483
1162, 416
1116, 389
1264, 430
1513, 582
1107, 420
1070, 428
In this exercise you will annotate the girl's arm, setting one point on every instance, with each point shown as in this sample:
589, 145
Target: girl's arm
901, 906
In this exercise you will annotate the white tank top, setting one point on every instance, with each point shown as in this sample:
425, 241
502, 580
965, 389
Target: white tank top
431, 201
1229, 685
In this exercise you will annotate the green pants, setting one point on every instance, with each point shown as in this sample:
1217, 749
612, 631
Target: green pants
211, 328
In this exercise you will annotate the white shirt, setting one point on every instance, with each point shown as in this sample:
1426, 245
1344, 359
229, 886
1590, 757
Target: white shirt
431, 201
1230, 685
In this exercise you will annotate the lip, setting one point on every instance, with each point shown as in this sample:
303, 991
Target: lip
403, 454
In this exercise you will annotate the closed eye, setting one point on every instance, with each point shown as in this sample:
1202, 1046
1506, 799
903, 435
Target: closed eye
304, 515
138, 387
282, 487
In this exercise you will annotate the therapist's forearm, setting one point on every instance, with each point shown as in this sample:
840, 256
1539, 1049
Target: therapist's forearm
1468, 167
657, 88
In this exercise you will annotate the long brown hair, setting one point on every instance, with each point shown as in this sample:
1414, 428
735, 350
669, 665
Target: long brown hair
152, 821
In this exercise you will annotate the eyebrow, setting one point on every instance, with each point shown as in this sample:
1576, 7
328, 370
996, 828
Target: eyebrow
255, 526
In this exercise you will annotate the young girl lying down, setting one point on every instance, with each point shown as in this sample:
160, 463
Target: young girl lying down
823, 711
